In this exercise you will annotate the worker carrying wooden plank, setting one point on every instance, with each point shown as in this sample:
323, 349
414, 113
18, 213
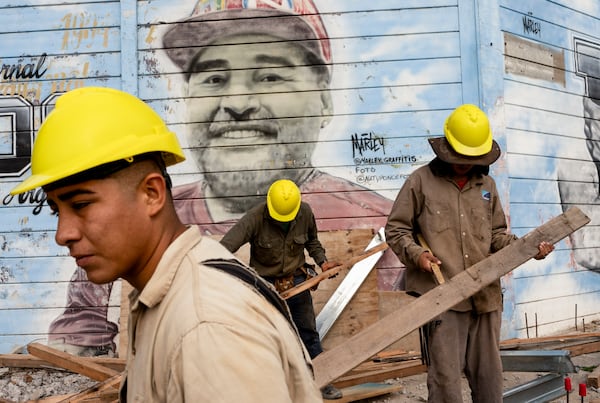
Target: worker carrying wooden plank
453, 205
279, 231
342, 358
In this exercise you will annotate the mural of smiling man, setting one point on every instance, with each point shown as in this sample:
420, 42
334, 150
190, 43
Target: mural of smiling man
258, 75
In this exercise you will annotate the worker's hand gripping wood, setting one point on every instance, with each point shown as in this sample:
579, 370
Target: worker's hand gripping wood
544, 249
428, 262
329, 265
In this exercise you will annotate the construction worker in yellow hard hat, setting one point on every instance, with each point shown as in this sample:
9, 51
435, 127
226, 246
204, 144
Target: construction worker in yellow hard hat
101, 157
454, 204
279, 230
77, 141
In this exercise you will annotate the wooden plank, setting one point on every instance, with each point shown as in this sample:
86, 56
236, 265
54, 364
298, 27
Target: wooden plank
384, 355
126, 288
360, 313
517, 343
333, 271
572, 344
437, 273
107, 391
30, 361
381, 372
365, 391
406, 356
584, 348
49, 399
533, 59
339, 360
391, 301
340, 246
72, 363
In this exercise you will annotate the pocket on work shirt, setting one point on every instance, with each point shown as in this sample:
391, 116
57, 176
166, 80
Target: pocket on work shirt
436, 217
481, 217
268, 251
297, 246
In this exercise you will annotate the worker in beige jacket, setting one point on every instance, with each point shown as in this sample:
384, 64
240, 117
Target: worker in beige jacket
454, 204
202, 327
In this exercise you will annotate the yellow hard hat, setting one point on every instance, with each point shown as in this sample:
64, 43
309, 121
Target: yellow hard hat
92, 126
467, 129
283, 200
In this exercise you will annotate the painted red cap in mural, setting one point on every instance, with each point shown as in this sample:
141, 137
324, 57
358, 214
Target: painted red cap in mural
296, 20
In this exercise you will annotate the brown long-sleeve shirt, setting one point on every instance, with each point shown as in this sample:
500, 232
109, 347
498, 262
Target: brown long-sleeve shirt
273, 251
461, 226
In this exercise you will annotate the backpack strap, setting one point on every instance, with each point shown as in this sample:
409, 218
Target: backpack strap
249, 276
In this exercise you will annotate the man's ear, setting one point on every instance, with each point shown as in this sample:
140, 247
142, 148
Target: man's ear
327, 109
154, 189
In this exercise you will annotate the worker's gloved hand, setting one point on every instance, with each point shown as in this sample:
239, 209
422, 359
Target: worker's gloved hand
328, 265
544, 249
425, 261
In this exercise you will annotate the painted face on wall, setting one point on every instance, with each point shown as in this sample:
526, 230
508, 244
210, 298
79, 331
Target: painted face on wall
591, 113
578, 186
255, 109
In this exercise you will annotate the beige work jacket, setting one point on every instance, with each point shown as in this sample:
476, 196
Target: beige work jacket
197, 334
461, 226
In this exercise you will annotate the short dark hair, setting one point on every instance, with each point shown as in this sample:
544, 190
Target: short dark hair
105, 170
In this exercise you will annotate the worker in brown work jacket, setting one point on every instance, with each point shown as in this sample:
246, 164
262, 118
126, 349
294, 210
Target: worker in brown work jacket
454, 204
279, 230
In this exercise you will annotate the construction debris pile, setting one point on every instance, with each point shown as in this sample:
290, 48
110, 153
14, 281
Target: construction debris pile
48, 375
20, 385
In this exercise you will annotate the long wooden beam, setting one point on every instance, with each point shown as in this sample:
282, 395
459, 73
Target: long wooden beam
73, 363
31, 361
337, 361
541, 343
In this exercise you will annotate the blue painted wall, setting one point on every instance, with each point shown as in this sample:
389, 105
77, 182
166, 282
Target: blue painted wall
397, 70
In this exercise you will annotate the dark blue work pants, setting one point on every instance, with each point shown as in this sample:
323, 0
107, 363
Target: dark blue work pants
303, 315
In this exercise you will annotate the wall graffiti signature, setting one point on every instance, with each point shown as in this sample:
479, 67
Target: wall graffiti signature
531, 26
367, 142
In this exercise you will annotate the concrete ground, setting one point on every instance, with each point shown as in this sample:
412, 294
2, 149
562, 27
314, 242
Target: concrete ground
415, 387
